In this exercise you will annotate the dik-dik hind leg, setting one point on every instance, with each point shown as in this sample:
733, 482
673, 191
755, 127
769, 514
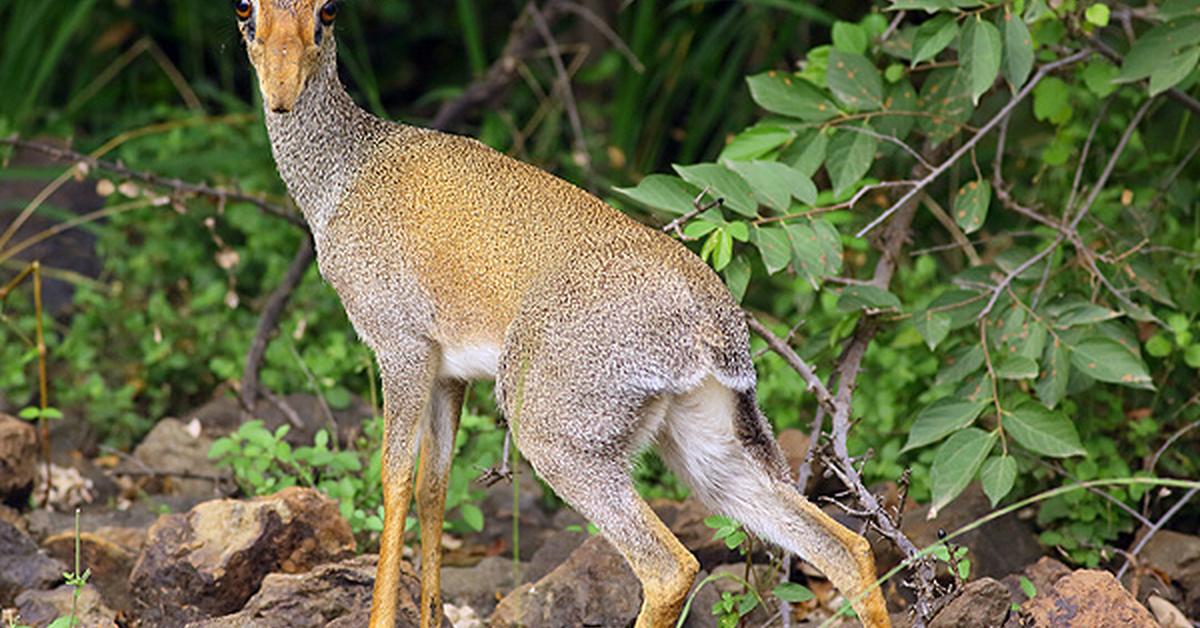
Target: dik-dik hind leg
437, 451
408, 377
718, 441
596, 483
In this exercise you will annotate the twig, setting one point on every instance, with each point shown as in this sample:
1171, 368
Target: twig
177, 186
890, 139
838, 206
269, 319
563, 84
522, 42
970, 144
1083, 157
960, 238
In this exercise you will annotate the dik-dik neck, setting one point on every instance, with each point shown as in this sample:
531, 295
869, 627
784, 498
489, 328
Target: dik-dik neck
320, 143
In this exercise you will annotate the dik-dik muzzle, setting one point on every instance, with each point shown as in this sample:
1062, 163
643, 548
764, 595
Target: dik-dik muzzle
283, 39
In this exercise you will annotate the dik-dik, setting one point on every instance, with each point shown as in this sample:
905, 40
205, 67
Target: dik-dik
456, 262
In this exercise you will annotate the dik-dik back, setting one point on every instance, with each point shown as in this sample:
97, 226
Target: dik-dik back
455, 262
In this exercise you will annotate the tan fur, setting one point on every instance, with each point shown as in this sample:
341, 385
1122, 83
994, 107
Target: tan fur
604, 336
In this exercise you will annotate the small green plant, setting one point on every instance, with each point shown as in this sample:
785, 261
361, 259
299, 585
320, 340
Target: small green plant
728, 530
956, 557
34, 413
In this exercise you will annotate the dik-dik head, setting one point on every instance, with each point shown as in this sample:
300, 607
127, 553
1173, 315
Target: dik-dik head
285, 39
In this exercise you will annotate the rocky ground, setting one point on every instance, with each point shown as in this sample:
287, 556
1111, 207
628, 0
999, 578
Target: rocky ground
171, 550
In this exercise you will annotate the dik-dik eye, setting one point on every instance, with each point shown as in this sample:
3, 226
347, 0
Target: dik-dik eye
243, 9
328, 13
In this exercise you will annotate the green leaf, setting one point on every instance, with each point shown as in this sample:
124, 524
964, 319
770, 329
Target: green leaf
788, 95
472, 516
897, 119
792, 592
1172, 9
946, 97
1052, 101
774, 246
1027, 587
755, 142
848, 37
1017, 367
1108, 361
1192, 356
933, 36
775, 184
1084, 313
1157, 45
962, 306
971, 205
664, 192
942, 418
955, 464
737, 277
1097, 14
960, 364
1173, 70
29, 413
997, 476
979, 48
850, 157
867, 297
933, 327
1042, 431
722, 183
831, 246
855, 81
1098, 76
807, 152
1018, 50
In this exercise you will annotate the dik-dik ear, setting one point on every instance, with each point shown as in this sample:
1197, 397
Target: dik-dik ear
284, 40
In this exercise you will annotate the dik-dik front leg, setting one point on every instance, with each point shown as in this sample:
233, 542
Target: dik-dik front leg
408, 377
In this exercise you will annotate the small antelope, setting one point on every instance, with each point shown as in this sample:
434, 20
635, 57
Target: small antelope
455, 262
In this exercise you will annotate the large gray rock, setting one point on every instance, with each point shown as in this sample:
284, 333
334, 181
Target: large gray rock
23, 566
593, 587
18, 457
479, 587
172, 447
208, 562
335, 594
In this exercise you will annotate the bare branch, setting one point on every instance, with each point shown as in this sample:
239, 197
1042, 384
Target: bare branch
970, 144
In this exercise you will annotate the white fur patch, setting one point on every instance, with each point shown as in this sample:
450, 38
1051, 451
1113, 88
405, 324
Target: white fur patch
470, 361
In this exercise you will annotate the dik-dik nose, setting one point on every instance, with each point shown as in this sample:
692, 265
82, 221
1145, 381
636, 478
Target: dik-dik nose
282, 77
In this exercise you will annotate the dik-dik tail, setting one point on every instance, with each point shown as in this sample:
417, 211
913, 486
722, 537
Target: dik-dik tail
719, 442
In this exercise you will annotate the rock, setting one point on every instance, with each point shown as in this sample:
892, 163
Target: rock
1087, 597
465, 617
997, 549
173, 446
23, 566
13, 518
982, 603
109, 553
481, 586
594, 587
1177, 556
209, 561
39, 608
556, 549
332, 594
18, 457
1166, 613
